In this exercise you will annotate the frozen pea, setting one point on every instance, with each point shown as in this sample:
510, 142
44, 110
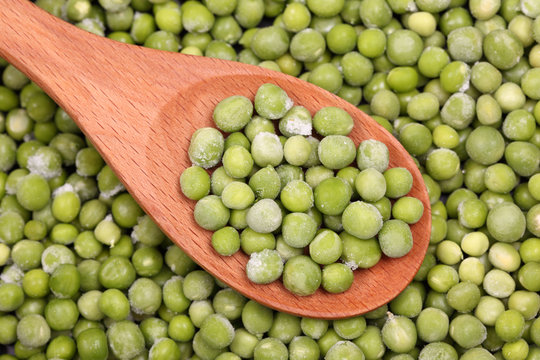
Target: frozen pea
265, 216
272, 102
498, 283
372, 154
408, 209
326, 76
33, 331
332, 121
264, 267
237, 162
332, 196
301, 275
523, 158
107, 232
298, 229
144, 296
337, 278
297, 196
475, 243
439, 350
458, 111
226, 241
360, 253
467, 331
385, 103
432, 324
265, 183
398, 182
505, 222
370, 185
233, 113
33, 192
404, 47
316, 174
206, 147
442, 164
258, 125
357, 69
297, 150
210, 213
510, 97
326, 247
423, 23
297, 121
252, 241
533, 220
502, 49
237, 195
395, 238
485, 145
195, 183
92, 344
125, 339
399, 334
217, 331
465, 44
485, 77
266, 149
307, 45
371, 220
237, 138
423, 106
500, 178
269, 43
344, 350
269, 349
336, 151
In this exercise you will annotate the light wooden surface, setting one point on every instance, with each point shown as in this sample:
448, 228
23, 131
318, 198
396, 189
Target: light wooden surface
139, 108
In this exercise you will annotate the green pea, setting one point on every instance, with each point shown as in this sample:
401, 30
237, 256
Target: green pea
502, 57
326, 76
399, 334
269, 43
301, 275
210, 213
206, 147
307, 45
125, 339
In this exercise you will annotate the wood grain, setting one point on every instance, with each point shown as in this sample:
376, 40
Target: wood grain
139, 108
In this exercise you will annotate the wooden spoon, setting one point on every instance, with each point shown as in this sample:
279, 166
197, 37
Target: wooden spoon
140, 106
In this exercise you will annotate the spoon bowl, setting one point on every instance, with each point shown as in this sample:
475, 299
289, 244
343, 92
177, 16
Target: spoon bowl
139, 108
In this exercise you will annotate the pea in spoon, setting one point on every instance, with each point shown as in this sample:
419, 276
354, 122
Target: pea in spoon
139, 107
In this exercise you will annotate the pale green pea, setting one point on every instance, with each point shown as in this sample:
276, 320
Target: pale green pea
301, 275
297, 150
210, 213
237, 162
264, 267
206, 147
326, 247
233, 113
265, 216
336, 151
237, 195
266, 149
370, 185
332, 121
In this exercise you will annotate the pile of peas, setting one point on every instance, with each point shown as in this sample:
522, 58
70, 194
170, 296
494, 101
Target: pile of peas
85, 274
258, 167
